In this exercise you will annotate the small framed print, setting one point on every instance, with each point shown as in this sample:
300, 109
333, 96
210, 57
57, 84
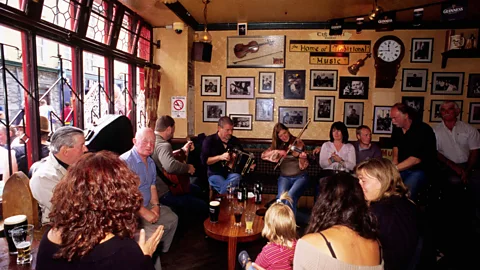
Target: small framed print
414, 80
213, 110
264, 109
294, 84
353, 114
382, 121
474, 113
323, 79
240, 87
242, 29
241, 121
293, 117
473, 86
447, 83
211, 85
422, 50
435, 115
353, 88
324, 108
417, 103
266, 83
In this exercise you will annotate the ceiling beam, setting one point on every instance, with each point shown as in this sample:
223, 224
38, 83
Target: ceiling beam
183, 14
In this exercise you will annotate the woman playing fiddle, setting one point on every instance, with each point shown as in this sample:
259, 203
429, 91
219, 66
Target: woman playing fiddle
293, 177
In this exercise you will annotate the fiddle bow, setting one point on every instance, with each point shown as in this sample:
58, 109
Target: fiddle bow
292, 147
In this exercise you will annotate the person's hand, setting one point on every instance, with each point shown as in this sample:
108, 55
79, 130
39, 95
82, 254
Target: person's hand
148, 247
225, 156
252, 167
191, 169
150, 216
303, 155
336, 157
317, 150
258, 267
282, 153
188, 147
156, 210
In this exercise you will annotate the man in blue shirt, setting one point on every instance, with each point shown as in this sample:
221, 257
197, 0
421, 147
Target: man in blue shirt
152, 213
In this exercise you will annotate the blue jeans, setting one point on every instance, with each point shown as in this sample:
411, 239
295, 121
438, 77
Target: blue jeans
219, 183
414, 180
187, 203
295, 185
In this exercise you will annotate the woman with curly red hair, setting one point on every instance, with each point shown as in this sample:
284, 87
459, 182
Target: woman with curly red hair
93, 219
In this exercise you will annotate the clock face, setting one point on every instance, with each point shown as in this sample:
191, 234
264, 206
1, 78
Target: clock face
389, 50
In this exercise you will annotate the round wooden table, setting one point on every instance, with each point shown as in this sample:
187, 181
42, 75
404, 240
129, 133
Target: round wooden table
224, 230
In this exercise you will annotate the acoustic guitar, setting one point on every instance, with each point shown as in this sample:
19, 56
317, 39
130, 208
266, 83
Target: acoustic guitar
181, 182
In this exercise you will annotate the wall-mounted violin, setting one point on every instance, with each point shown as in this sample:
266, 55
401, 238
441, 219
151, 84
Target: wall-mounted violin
241, 50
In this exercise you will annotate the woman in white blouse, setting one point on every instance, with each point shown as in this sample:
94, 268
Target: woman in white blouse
337, 153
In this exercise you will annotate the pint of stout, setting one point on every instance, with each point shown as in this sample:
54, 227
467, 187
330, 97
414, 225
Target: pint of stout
10, 223
214, 211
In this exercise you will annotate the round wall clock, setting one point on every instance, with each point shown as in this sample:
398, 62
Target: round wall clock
388, 52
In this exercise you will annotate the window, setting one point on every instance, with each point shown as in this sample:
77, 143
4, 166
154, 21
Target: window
127, 33
144, 44
101, 21
61, 12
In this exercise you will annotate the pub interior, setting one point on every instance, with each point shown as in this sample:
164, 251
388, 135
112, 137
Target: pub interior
114, 69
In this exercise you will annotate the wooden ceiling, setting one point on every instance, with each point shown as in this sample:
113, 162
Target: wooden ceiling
258, 11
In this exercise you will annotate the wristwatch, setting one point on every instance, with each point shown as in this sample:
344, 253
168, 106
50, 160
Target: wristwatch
332, 160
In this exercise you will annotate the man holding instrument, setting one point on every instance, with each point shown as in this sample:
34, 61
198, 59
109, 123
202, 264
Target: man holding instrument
163, 155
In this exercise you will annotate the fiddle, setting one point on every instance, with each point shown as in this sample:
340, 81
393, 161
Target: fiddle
242, 50
296, 146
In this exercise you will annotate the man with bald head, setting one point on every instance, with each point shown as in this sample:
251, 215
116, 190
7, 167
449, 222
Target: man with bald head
152, 213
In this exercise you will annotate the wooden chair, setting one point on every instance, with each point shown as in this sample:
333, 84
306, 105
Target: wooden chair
18, 199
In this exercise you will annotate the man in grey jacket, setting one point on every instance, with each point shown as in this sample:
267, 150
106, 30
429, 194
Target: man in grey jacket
164, 159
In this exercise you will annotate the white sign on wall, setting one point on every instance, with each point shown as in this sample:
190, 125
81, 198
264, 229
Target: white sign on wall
179, 105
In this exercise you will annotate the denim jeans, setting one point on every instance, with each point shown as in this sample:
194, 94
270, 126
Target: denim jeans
414, 180
295, 185
219, 183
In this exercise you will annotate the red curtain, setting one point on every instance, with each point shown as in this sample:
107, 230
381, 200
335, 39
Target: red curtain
152, 94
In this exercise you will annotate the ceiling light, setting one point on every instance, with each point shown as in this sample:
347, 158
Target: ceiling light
205, 36
376, 11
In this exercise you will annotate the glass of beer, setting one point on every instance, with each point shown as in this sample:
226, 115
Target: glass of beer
237, 212
22, 237
249, 217
214, 210
10, 223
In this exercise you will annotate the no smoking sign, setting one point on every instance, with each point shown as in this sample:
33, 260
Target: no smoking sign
178, 107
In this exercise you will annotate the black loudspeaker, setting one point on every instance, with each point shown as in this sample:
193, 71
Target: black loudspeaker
113, 133
202, 51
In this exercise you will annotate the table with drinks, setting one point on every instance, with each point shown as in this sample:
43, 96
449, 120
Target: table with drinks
232, 220
18, 245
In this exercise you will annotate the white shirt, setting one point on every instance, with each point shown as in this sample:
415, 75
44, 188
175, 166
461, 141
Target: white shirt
457, 143
347, 153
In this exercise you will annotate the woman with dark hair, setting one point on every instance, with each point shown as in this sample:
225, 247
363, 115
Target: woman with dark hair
397, 216
342, 232
337, 154
293, 177
94, 218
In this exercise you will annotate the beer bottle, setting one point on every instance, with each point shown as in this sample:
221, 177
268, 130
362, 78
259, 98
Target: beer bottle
240, 192
257, 191
244, 192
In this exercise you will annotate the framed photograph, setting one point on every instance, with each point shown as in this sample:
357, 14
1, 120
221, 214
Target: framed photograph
422, 50
264, 109
211, 85
382, 122
241, 121
294, 84
213, 110
240, 87
353, 114
435, 115
323, 79
256, 52
473, 86
324, 109
414, 80
474, 113
417, 103
293, 117
266, 83
447, 83
353, 88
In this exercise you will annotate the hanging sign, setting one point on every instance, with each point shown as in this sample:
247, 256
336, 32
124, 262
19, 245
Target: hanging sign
344, 46
336, 27
329, 58
385, 21
178, 107
454, 10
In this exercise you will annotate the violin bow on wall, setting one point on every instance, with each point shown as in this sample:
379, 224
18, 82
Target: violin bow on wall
293, 144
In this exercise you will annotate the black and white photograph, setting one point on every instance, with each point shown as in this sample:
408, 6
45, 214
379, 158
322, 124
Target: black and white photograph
264, 109
240, 87
353, 114
414, 80
213, 110
422, 50
473, 86
294, 84
416, 103
382, 121
211, 85
241, 121
293, 117
353, 88
323, 79
474, 113
447, 83
435, 115
266, 83
324, 109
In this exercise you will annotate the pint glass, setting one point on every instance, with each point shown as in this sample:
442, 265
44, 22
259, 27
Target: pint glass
214, 210
10, 223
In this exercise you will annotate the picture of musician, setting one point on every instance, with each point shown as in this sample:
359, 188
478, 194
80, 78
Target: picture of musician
215, 154
163, 155
293, 177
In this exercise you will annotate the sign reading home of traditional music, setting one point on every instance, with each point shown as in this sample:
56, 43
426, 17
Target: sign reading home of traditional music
328, 58
344, 46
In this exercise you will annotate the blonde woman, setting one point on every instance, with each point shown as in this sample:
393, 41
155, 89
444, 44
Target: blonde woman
386, 194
